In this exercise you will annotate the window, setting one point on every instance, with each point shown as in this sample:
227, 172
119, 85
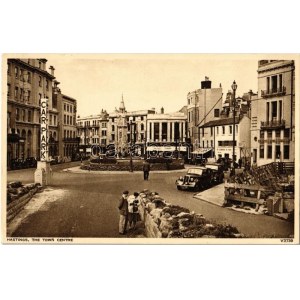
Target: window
156, 131
64, 106
268, 111
236, 128
70, 108
103, 125
269, 155
16, 73
286, 151
50, 120
40, 64
47, 85
28, 95
21, 94
269, 133
274, 110
65, 119
230, 129
262, 134
142, 118
212, 144
216, 113
223, 129
211, 131
40, 81
280, 110
280, 82
8, 90
277, 152
142, 136
17, 114
277, 133
112, 137
71, 121
164, 130
142, 127
16, 93
68, 120
217, 130
287, 133
261, 151
8, 68
29, 77
274, 83
23, 115
29, 116
103, 132
67, 107
21, 75
65, 133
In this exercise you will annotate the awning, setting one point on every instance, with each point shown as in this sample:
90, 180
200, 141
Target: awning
201, 151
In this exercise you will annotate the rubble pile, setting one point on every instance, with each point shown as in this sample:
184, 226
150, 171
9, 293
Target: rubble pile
18, 195
16, 189
173, 221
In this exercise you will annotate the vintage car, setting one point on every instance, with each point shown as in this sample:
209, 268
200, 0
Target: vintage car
195, 179
217, 171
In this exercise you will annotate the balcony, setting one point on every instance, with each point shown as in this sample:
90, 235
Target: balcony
275, 124
280, 91
71, 140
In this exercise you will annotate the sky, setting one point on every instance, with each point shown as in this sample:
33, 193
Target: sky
147, 81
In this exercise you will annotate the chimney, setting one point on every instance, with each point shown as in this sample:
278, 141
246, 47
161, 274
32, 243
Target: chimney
162, 110
153, 108
52, 70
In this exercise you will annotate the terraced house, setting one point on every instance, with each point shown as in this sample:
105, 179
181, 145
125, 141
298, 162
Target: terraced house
273, 113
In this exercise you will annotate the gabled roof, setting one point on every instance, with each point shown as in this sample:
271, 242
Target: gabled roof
219, 122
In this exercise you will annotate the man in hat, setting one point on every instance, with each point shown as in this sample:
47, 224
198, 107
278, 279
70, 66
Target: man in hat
146, 170
123, 209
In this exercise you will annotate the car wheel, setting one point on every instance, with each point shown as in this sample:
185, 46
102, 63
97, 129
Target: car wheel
178, 188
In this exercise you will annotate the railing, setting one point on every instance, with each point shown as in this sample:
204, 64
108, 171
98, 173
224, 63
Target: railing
273, 92
275, 124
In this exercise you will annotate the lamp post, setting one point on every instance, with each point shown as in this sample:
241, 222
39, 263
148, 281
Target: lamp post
130, 124
234, 87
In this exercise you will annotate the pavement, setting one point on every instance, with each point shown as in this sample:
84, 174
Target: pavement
214, 195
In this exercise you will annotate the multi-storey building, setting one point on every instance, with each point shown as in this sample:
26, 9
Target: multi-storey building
216, 138
114, 129
28, 82
273, 113
167, 132
68, 141
203, 105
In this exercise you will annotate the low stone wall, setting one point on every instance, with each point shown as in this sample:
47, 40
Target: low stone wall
18, 195
164, 220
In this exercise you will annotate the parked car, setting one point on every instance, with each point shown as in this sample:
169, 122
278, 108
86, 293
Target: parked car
217, 172
31, 162
196, 178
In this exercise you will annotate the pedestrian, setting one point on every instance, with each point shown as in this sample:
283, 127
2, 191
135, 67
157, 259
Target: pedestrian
133, 210
146, 170
123, 209
240, 161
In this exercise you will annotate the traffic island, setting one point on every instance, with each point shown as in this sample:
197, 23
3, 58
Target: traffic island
165, 220
18, 195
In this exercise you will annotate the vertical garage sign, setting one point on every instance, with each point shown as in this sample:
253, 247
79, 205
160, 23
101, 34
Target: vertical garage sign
44, 130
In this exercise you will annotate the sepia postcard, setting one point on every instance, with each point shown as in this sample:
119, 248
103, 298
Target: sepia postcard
150, 149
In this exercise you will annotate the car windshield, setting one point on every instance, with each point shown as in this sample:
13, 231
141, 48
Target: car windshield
195, 171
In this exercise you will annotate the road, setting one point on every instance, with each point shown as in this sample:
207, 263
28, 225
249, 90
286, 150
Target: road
88, 206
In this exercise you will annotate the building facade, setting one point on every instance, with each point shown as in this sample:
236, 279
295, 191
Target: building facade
273, 113
27, 83
120, 129
68, 142
216, 138
203, 105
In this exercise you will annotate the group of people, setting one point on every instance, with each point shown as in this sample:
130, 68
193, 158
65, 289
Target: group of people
129, 211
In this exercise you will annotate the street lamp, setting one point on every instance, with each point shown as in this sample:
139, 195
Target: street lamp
234, 87
130, 124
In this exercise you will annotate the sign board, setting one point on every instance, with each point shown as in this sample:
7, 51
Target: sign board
166, 148
44, 130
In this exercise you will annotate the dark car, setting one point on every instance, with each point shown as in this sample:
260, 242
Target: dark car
217, 171
31, 162
195, 179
